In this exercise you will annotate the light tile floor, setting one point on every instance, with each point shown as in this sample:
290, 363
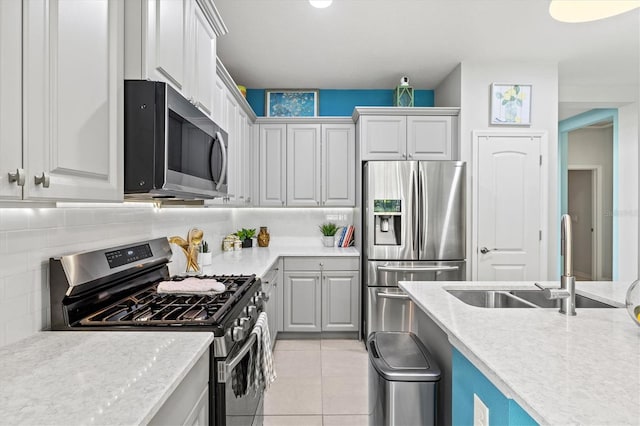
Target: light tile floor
320, 383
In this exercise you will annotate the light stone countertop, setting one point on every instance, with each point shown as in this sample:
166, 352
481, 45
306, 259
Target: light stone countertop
94, 378
258, 260
561, 370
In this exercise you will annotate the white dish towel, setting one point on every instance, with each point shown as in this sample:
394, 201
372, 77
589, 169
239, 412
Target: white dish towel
262, 370
207, 287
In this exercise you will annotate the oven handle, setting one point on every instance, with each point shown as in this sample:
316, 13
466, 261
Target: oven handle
226, 367
417, 269
401, 296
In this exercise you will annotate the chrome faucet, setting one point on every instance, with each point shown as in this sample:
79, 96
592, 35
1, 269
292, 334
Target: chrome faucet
567, 291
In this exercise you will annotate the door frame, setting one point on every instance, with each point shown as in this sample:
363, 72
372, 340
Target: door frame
574, 123
544, 192
596, 207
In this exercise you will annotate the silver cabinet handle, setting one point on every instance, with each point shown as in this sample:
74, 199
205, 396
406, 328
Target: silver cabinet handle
44, 180
410, 155
400, 296
417, 269
18, 177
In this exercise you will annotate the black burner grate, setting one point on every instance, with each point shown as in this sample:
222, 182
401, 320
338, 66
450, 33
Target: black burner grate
147, 307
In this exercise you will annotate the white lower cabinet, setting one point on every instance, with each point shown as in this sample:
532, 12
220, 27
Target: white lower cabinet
321, 294
189, 403
271, 284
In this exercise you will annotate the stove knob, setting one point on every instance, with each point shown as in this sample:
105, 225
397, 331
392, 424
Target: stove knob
257, 299
244, 322
251, 311
238, 333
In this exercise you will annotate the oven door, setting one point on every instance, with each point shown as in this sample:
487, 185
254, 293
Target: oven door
232, 410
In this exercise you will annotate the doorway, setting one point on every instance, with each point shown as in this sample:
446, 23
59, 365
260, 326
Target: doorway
583, 200
588, 161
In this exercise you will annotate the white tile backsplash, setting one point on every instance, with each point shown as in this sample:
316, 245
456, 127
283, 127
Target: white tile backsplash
30, 236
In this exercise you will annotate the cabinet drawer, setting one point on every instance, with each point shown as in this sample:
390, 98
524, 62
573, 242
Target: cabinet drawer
324, 263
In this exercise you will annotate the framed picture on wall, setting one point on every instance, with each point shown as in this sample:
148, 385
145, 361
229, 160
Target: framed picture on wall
510, 104
291, 103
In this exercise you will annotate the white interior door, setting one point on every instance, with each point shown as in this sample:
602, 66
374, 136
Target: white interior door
508, 208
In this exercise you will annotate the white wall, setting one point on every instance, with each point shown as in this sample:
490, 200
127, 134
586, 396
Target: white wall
29, 236
447, 93
628, 184
476, 79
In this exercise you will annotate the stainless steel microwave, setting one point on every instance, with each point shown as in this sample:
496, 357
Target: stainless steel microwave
171, 149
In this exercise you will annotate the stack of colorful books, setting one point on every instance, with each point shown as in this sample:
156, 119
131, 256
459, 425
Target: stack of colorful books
346, 236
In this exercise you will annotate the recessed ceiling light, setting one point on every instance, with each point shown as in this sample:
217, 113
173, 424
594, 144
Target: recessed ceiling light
320, 4
589, 10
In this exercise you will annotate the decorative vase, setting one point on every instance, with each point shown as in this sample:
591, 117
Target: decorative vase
204, 258
263, 237
247, 242
632, 301
328, 241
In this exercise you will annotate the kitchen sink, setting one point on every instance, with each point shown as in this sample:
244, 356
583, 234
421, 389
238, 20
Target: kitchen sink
537, 297
519, 299
491, 299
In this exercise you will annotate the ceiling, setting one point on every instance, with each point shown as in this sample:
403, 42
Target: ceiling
370, 44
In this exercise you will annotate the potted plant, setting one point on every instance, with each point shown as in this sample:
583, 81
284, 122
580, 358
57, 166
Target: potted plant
204, 255
328, 234
246, 236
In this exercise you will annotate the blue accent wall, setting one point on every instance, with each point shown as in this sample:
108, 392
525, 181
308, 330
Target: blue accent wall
467, 380
340, 103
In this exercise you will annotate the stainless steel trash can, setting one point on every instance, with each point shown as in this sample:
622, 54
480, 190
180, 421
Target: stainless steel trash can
403, 380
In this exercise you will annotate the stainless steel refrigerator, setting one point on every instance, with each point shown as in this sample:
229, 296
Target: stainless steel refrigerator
414, 230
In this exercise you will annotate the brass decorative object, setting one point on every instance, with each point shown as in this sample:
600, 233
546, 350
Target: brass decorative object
263, 237
190, 247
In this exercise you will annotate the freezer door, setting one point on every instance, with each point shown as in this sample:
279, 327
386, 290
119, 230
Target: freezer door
390, 220
389, 274
441, 210
388, 309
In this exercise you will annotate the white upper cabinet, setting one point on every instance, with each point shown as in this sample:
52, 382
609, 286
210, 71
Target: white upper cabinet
383, 138
338, 165
273, 162
407, 133
175, 41
320, 164
303, 165
73, 99
11, 101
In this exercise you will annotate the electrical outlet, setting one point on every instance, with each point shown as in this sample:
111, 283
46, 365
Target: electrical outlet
480, 412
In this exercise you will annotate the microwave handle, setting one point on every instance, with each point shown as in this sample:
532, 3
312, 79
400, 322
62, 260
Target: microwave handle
223, 150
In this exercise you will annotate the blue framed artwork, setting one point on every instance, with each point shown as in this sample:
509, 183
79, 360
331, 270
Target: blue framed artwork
291, 103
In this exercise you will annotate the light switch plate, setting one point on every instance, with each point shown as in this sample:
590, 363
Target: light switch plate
480, 412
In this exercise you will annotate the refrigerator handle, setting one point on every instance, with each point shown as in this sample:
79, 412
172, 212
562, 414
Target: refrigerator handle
414, 215
421, 211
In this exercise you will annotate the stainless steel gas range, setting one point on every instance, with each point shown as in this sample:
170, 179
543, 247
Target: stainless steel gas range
115, 289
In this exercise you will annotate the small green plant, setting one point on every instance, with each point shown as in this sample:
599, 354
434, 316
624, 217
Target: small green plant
245, 233
328, 229
204, 247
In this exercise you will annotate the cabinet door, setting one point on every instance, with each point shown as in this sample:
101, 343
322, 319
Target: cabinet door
167, 35
302, 294
303, 165
231, 126
429, 138
10, 97
73, 99
273, 173
383, 137
340, 301
338, 165
204, 62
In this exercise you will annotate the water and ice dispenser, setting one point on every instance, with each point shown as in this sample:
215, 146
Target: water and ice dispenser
388, 222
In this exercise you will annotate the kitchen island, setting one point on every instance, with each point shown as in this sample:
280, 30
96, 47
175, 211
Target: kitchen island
95, 378
559, 369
